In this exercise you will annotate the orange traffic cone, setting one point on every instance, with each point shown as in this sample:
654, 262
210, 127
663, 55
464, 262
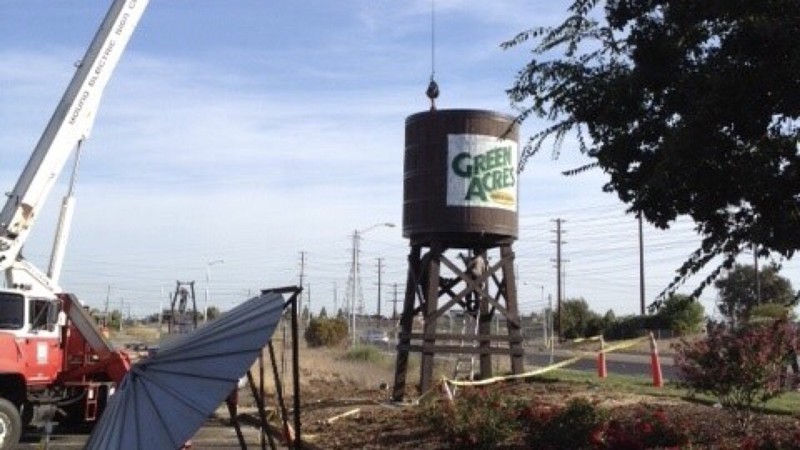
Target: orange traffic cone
655, 363
602, 371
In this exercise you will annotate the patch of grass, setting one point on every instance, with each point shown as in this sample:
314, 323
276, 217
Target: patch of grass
365, 353
788, 403
629, 383
146, 334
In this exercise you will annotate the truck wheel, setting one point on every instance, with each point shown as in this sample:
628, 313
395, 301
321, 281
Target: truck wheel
10, 425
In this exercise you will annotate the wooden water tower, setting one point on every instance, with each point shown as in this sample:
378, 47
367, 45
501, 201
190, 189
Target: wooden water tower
460, 197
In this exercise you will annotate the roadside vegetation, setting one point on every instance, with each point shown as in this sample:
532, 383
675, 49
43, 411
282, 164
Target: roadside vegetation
561, 409
734, 391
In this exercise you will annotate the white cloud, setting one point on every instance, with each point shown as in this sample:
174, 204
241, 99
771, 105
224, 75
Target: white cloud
252, 142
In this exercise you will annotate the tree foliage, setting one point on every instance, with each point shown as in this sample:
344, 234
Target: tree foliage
115, 320
771, 311
678, 313
738, 294
213, 312
681, 314
690, 107
325, 332
577, 320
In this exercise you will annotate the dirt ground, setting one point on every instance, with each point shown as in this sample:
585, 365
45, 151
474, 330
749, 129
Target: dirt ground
346, 405
378, 424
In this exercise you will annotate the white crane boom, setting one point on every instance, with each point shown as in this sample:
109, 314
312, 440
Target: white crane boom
70, 124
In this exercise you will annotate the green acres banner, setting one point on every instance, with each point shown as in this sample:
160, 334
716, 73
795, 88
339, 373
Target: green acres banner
482, 171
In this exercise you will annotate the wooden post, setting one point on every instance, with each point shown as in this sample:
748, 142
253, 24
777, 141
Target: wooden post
431, 305
509, 289
406, 324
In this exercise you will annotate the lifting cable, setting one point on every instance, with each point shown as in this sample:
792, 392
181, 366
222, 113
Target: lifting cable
433, 89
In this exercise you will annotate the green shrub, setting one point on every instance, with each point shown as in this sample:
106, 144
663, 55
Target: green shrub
479, 418
627, 327
573, 427
325, 332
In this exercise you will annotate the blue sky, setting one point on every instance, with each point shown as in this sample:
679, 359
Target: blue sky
250, 131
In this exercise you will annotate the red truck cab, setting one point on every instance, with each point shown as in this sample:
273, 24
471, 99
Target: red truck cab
54, 363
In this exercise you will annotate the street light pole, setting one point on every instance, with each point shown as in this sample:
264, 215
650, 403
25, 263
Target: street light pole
208, 284
380, 269
354, 289
356, 284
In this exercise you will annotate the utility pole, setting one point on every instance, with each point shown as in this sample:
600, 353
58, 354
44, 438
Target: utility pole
105, 313
302, 275
544, 324
353, 285
550, 323
394, 309
308, 288
558, 262
380, 269
544, 317
641, 266
355, 278
208, 286
121, 309
335, 300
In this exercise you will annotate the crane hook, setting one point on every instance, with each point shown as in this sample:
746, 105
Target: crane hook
433, 93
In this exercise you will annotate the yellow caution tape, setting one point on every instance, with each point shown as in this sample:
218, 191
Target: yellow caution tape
566, 362
540, 371
593, 338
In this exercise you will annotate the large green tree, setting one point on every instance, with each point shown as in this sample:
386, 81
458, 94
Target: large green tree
691, 108
213, 312
681, 314
577, 320
740, 292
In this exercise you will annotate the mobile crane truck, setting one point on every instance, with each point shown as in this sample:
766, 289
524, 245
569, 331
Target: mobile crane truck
53, 359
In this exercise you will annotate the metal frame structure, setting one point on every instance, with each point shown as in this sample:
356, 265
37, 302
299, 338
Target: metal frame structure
177, 323
491, 292
259, 393
164, 399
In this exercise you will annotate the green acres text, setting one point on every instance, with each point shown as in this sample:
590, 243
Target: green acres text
488, 172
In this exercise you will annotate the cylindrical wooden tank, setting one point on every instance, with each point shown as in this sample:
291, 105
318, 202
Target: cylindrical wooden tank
460, 175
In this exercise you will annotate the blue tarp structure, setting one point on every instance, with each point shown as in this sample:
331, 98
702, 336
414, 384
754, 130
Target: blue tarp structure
165, 399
